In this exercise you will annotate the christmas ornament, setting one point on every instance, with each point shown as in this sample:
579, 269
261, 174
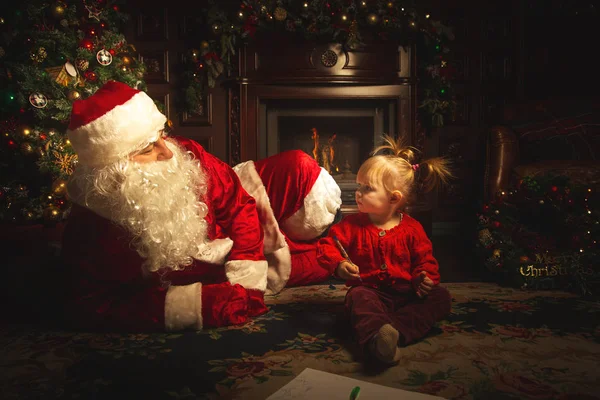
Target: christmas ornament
280, 14
38, 100
59, 187
26, 148
104, 57
372, 19
58, 9
73, 95
497, 253
204, 45
93, 12
70, 68
91, 76
39, 56
126, 60
51, 213
82, 65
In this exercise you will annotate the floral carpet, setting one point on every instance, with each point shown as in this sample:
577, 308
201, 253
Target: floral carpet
498, 343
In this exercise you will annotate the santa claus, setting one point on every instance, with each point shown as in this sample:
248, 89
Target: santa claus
163, 235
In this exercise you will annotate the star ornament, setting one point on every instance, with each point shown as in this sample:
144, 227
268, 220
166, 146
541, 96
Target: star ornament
93, 13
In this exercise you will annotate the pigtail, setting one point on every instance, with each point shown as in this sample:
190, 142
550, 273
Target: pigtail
397, 148
434, 171
437, 171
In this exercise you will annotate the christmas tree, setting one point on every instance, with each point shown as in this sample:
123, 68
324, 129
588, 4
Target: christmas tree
52, 54
542, 233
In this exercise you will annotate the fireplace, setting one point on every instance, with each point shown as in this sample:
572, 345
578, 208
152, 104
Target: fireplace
338, 133
328, 101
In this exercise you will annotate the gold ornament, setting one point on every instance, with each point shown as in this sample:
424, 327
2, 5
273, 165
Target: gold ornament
390, 4
524, 259
82, 65
126, 60
497, 253
26, 148
280, 14
59, 187
65, 161
51, 213
73, 95
39, 56
204, 45
58, 9
372, 19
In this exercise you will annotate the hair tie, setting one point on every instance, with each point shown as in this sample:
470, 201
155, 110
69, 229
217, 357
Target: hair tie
415, 167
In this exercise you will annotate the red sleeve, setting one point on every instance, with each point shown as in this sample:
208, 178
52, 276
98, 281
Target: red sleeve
421, 254
234, 209
328, 254
108, 289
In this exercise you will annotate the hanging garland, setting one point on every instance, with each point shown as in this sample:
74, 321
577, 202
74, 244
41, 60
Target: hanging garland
342, 21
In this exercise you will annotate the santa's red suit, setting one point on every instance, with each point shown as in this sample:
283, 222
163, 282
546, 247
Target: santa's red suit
264, 219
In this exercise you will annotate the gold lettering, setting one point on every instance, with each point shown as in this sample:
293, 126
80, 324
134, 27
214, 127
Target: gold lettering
528, 270
553, 271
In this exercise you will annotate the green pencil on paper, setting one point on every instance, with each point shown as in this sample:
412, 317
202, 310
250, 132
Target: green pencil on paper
354, 393
344, 254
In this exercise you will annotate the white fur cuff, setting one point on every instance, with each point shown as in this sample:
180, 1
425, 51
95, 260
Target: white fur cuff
215, 251
280, 267
183, 307
250, 274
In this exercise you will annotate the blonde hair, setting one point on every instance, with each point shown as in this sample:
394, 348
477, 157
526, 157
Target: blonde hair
397, 171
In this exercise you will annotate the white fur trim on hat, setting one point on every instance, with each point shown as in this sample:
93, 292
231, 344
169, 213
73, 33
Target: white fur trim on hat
120, 131
273, 238
248, 273
318, 212
183, 307
280, 267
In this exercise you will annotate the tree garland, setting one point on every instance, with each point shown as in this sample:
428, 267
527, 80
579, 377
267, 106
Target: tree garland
543, 233
342, 21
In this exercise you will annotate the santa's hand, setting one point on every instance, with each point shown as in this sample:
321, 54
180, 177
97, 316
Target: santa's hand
346, 270
422, 284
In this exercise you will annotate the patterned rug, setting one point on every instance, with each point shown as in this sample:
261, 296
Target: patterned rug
498, 343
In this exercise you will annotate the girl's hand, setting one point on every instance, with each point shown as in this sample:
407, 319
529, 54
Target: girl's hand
346, 270
422, 284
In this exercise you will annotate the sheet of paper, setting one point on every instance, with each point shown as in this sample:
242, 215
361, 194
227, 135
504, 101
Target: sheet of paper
314, 384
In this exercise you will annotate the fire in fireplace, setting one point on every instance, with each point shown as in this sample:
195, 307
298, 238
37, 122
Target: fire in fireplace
339, 134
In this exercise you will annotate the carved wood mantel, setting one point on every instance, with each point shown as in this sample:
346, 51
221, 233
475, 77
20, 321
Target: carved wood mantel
283, 68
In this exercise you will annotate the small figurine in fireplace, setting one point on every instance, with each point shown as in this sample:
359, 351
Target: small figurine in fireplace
394, 298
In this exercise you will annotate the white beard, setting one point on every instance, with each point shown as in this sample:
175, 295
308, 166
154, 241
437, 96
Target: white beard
158, 203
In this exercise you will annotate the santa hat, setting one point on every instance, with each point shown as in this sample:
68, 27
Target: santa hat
112, 123
303, 197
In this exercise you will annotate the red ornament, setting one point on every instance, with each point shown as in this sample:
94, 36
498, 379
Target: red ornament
43, 136
112, 52
496, 224
91, 76
554, 188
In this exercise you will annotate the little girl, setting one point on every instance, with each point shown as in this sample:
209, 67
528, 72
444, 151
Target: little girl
394, 297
